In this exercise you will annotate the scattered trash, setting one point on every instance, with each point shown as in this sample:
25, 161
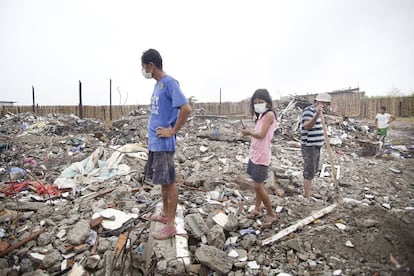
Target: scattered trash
326, 171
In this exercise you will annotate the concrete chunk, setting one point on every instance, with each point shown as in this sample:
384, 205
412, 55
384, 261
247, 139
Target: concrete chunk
196, 225
79, 233
214, 259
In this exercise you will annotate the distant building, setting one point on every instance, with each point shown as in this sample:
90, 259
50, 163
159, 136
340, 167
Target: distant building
5, 103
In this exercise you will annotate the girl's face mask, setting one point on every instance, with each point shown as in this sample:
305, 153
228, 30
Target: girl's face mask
260, 108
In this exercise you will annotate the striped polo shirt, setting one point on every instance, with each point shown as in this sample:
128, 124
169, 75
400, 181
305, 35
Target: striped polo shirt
314, 136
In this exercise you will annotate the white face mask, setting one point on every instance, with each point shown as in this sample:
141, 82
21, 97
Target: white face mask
260, 108
146, 75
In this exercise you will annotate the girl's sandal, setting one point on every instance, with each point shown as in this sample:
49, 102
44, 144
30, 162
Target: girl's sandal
269, 222
253, 215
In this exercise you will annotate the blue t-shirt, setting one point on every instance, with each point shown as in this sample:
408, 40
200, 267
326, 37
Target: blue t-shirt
166, 99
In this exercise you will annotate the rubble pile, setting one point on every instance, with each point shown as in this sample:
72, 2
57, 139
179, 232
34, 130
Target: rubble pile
74, 200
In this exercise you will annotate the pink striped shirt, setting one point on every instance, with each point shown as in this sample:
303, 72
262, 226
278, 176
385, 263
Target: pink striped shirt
260, 149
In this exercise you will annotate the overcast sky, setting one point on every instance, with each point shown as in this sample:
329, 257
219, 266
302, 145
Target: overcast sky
288, 47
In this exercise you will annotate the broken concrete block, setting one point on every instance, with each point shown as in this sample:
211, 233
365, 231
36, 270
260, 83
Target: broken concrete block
79, 233
195, 225
26, 265
216, 236
44, 239
51, 258
232, 223
248, 241
92, 261
214, 259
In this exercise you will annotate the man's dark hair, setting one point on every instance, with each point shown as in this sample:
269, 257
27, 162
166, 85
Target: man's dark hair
264, 95
383, 107
152, 55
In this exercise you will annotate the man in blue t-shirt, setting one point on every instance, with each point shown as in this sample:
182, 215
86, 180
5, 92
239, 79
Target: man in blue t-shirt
312, 139
169, 110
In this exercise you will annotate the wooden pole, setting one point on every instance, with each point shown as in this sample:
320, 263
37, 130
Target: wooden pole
80, 101
220, 103
330, 153
110, 100
33, 100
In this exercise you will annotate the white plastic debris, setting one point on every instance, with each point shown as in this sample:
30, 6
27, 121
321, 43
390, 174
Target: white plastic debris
312, 263
214, 195
223, 160
335, 141
37, 256
351, 200
279, 209
221, 219
349, 244
337, 272
203, 149
231, 241
233, 253
386, 205
326, 171
119, 218
340, 226
205, 159
395, 170
61, 233
253, 265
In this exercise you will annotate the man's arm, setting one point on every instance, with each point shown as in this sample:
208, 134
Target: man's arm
185, 111
310, 123
167, 132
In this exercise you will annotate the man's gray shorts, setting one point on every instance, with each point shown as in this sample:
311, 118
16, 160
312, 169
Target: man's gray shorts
160, 167
311, 156
257, 172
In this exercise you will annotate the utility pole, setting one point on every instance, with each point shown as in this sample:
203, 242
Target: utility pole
80, 101
33, 100
110, 100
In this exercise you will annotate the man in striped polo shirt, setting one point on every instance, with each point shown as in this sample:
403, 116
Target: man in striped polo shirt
312, 138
